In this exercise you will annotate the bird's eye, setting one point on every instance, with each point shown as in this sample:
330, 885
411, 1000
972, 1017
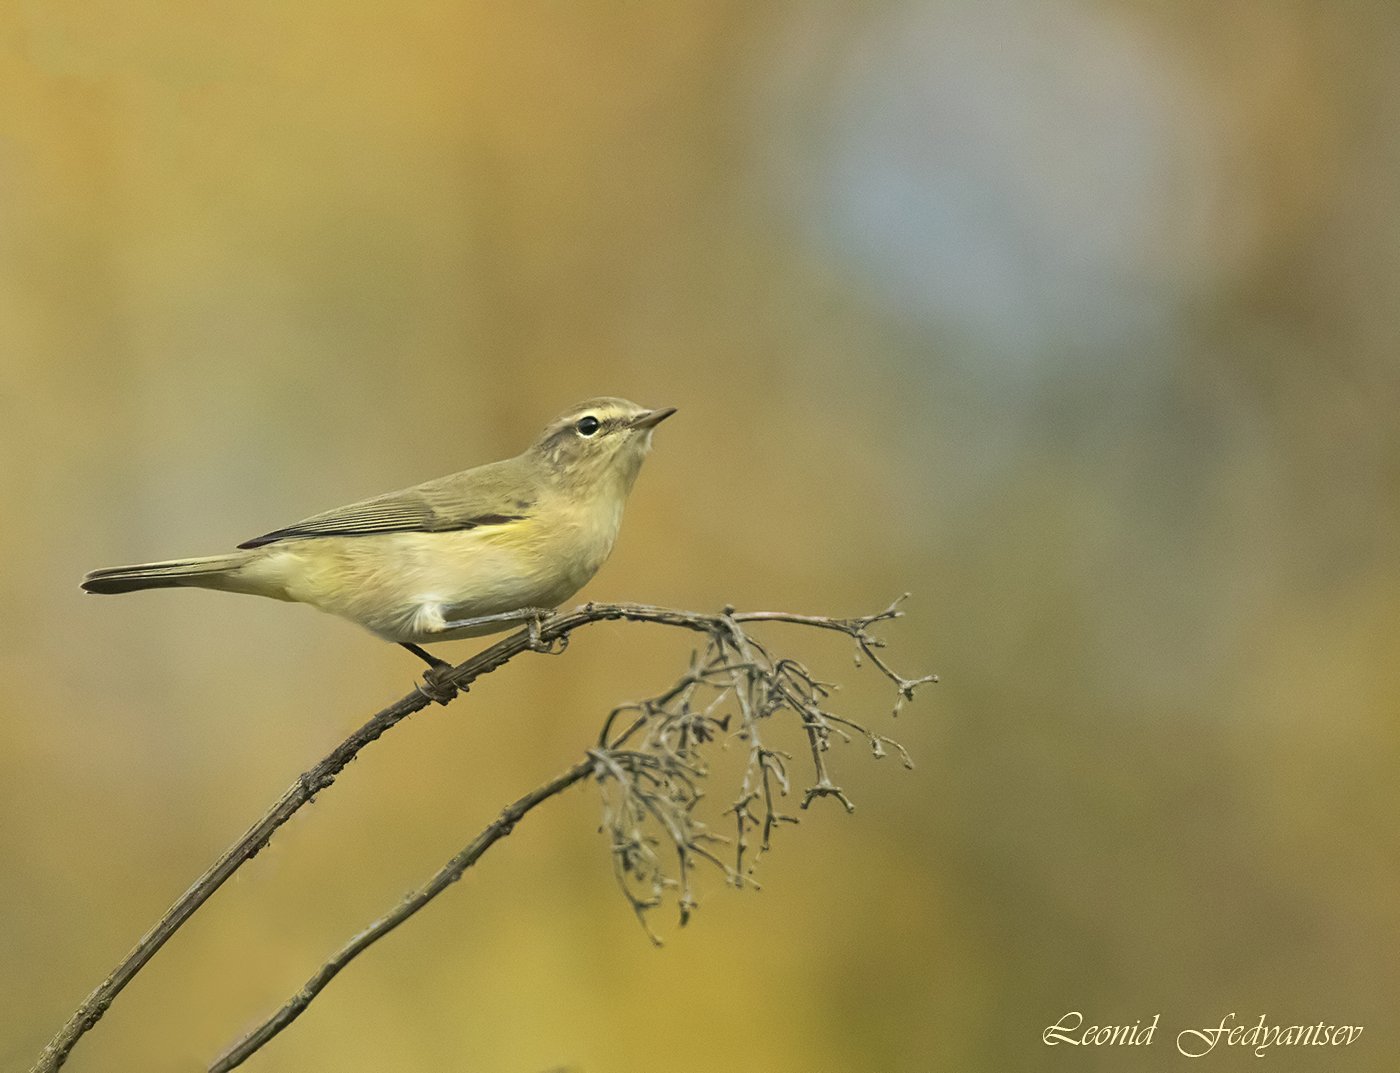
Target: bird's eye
587, 426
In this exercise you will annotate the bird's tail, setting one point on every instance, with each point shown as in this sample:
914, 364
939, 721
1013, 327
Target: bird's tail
213, 572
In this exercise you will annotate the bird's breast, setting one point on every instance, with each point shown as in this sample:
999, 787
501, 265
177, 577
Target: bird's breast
580, 539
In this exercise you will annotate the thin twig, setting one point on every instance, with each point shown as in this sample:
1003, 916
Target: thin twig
453, 870
444, 878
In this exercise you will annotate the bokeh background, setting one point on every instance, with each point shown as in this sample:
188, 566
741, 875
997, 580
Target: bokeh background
1078, 320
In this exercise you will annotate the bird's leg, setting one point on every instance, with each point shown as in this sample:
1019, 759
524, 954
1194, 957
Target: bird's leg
436, 685
533, 617
423, 654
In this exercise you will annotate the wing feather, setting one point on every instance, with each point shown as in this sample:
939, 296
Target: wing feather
496, 494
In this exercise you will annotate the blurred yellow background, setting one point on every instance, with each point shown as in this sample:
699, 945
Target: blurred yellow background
1078, 320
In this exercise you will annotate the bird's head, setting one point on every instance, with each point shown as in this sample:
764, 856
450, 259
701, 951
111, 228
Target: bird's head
600, 443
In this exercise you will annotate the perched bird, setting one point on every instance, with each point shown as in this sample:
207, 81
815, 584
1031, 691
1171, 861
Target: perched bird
460, 556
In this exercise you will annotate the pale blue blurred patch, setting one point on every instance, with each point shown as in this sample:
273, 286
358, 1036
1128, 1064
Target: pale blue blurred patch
1038, 185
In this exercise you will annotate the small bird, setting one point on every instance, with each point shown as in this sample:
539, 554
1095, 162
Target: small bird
460, 556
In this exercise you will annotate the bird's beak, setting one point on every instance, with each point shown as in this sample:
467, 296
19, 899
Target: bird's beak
652, 418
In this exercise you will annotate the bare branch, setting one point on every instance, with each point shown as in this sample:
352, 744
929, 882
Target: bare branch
734, 666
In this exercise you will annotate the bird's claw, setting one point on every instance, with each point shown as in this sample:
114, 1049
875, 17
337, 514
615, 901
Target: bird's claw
534, 626
534, 634
437, 684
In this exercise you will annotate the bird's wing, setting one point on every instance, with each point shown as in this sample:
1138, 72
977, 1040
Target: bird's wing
496, 494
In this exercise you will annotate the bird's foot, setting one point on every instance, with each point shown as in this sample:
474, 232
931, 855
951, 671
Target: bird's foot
535, 626
437, 682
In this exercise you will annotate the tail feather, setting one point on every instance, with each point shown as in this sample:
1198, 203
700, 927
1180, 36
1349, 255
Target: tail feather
207, 573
